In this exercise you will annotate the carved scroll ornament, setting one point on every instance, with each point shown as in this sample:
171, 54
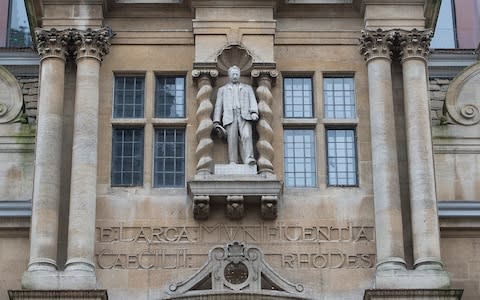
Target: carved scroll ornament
11, 98
463, 97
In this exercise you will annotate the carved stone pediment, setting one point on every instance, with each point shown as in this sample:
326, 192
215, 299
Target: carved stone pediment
236, 268
11, 98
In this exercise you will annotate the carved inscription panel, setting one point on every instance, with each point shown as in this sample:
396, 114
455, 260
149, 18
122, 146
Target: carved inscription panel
287, 246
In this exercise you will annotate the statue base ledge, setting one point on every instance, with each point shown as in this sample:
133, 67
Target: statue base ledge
412, 279
411, 294
58, 294
232, 190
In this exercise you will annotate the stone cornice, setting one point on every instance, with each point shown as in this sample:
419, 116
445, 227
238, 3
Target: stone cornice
377, 44
414, 43
91, 43
52, 43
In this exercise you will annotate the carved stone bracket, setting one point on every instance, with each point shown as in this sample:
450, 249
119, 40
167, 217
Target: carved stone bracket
236, 267
91, 43
377, 44
204, 79
265, 79
233, 189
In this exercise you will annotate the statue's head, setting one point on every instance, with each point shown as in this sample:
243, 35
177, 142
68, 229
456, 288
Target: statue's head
234, 74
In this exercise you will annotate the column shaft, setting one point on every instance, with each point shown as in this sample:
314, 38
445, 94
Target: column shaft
81, 229
426, 237
386, 188
48, 157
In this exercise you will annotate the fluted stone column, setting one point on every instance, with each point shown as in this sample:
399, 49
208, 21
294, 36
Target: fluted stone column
91, 46
426, 238
265, 79
51, 46
203, 152
376, 47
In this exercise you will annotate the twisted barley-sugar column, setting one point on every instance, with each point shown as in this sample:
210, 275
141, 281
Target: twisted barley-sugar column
91, 46
264, 128
376, 47
51, 46
423, 199
203, 152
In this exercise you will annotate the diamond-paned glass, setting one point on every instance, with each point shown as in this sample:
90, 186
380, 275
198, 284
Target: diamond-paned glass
298, 99
299, 158
128, 97
339, 98
169, 160
341, 157
127, 157
170, 97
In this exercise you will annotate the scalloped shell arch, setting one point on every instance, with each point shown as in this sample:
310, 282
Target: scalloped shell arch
234, 55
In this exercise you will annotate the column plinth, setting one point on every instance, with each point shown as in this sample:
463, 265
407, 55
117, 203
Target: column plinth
376, 47
92, 45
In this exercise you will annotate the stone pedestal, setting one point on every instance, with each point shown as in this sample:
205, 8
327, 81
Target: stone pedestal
233, 189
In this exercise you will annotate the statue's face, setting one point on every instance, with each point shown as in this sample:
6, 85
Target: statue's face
234, 75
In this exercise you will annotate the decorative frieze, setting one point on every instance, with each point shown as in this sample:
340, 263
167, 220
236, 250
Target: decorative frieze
377, 44
204, 79
265, 80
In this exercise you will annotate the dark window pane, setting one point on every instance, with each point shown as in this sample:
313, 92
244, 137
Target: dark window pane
128, 97
127, 157
299, 158
341, 157
170, 97
19, 30
169, 164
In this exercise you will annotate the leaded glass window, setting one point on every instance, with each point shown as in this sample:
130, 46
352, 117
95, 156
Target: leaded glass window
128, 99
170, 97
341, 157
127, 157
299, 158
169, 160
339, 98
298, 99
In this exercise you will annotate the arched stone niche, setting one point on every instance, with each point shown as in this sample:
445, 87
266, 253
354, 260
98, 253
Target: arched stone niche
11, 98
234, 55
463, 97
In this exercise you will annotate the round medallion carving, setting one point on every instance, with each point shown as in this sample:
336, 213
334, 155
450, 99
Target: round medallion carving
11, 98
236, 273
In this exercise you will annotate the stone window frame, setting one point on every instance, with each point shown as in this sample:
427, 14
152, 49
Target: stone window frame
340, 124
150, 123
305, 123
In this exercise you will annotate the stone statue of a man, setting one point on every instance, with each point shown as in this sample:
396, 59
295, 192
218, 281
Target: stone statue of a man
237, 107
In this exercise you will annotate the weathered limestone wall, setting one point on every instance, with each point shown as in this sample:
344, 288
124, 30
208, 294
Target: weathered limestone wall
14, 247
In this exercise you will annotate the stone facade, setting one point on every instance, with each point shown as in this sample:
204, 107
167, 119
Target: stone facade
248, 232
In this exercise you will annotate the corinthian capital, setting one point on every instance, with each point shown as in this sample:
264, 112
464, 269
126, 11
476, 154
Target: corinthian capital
414, 43
376, 43
92, 43
52, 43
